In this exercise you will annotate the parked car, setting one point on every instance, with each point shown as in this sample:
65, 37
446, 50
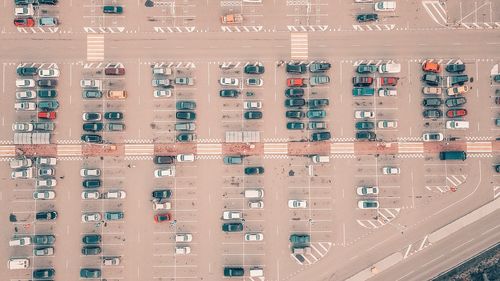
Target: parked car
91, 116
25, 95
367, 190
432, 90
43, 273
165, 172
113, 216
364, 125
295, 114
91, 94
229, 93
46, 83
185, 115
48, 73
317, 125
366, 68
91, 183
24, 22
112, 9
25, 83
254, 170
432, 102
319, 80
254, 82
27, 71
90, 273
254, 69
457, 90
361, 114
388, 81
453, 113
432, 113
48, 21
160, 160
362, 81
252, 105
321, 136
162, 93
296, 82
161, 194
229, 81
431, 66
48, 105
316, 114
233, 160
91, 239
291, 103
318, 103
297, 204
366, 135
294, 92
368, 204
252, 115
384, 124
387, 92
185, 105
319, 67
296, 68
431, 79
113, 115
93, 127
295, 126
114, 70
454, 102
385, 6
366, 17
455, 68
232, 227
47, 93
362, 91
46, 215
22, 127
47, 115
432, 137
185, 137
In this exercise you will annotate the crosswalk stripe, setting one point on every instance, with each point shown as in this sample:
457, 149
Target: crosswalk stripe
299, 45
95, 47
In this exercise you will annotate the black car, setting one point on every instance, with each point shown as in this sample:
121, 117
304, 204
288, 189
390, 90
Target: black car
455, 68
185, 115
91, 183
26, 71
232, 227
46, 93
295, 114
362, 81
431, 79
91, 138
90, 273
185, 137
432, 102
229, 93
44, 273
366, 17
250, 115
48, 215
159, 160
93, 127
321, 136
432, 113
47, 83
366, 135
161, 194
91, 250
47, 2
294, 92
91, 239
113, 115
295, 102
254, 69
257, 170
295, 125
296, 68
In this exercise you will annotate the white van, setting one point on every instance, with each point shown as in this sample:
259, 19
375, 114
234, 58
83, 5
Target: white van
457, 124
389, 68
254, 193
18, 263
316, 158
256, 272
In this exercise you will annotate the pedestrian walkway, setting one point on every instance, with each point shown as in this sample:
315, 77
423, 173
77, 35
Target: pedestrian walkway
95, 47
299, 46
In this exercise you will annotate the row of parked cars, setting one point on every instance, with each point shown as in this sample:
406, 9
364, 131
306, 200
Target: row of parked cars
96, 122
454, 84
42, 168
365, 84
27, 13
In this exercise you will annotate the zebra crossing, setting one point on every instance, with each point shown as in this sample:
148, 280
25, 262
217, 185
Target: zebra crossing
299, 46
342, 156
149, 158
208, 157
209, 140
100, 30
142, 141
38, 29
436, 10
68, 141
480, 155
373, 27
410, 155
179, 64
343, 139
416, 247
404, 139
248, 28
6, 142
174, 29
484, 138
95, 47
276, 148
318, 251
70, 158
275, 156
480, 25
307, 28
276, 139
384, 216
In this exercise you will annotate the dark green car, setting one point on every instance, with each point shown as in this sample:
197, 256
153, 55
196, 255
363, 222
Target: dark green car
91, 239
321, 136
90, 273
49, 105
366, 68
27, 71
251, 115
232, 227
186, 137
295, 102
47, 93
233, 271
46, 215
229, 93
254, 170
300, 238
185, 115
113, 216
161, 194
185, 105
91, 138
91, 94
316, 114
112, 9
91, 250
364, 125
91, 183
113, 115
295, 126
366, 135
92, 126
254, 69
44, 273
363, 91
295, 114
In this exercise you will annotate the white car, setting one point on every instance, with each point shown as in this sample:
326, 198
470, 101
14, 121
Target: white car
390, 170
25, 95
90, 172
46, 161
46, 183
384, 124
232, 215
226, 81
161, 205
385, 6
25, 10
162, 93
254, 82
91, 217
360, 114
22, 174
48, 73
111, 261
297, 204
255, 204
114, 194
254, 236
44, 195
22, 127
433, 137
25, 106
367, 190
165, 172
252, 105
90, 83
185, 158
385, 92
25, 83
90, 195
183, 237
20, 241
20, 163
182, 250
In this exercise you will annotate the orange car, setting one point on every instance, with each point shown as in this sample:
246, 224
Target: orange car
430, 66
295, 82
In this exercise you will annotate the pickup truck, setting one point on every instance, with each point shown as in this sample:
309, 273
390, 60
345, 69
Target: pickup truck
184, 81
231, 19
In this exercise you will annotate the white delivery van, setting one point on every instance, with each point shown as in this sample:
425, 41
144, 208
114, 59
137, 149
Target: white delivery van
256, 272
254, 193
18, 263
389, 68
316, 158
457, 124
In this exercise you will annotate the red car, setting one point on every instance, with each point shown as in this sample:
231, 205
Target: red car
114, 71
389, 81
24, 22
47, 115
162, 217
295, 82
452, 113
